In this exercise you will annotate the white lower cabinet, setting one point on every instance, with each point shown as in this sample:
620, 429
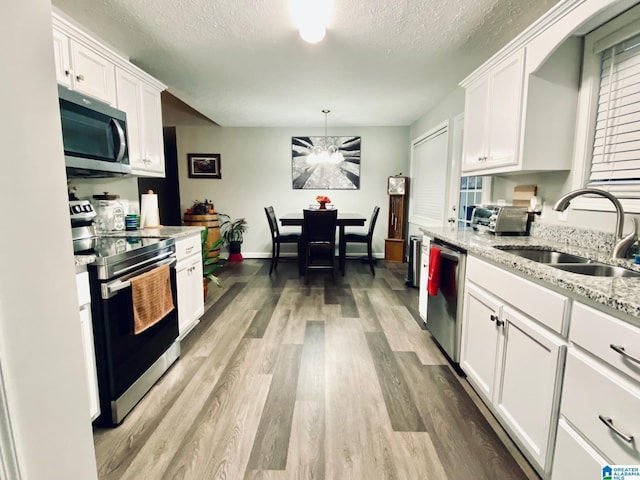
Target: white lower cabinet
189, 283
600, 406
86, 326
513, 360
530, 376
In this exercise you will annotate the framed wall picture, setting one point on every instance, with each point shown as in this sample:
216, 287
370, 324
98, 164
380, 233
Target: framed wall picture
204, 165
326, 163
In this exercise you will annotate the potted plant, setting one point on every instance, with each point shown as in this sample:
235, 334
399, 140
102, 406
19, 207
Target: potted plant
232, 232
209, 264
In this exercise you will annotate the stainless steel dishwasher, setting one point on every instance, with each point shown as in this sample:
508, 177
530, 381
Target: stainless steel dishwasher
444, 310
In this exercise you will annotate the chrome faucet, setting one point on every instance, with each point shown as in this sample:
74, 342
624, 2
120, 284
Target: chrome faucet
623, 243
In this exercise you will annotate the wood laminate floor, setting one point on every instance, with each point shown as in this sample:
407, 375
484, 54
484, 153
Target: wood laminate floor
282, 380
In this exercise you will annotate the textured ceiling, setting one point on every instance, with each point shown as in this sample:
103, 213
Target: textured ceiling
242, 63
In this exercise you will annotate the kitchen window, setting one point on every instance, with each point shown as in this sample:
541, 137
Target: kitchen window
608, 138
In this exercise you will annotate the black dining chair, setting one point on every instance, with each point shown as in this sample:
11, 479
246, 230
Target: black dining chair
354, 237
278, 239
319, 241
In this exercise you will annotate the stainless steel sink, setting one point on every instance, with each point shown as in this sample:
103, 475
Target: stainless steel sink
596, 270
544, 256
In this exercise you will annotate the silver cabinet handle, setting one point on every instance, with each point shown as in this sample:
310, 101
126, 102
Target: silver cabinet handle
189, 250
620, 349
608, 421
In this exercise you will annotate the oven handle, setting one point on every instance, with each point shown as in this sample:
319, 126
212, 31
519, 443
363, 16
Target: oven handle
110, 289
138, 265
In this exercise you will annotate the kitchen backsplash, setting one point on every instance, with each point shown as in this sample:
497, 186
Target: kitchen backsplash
125, 187
574, 236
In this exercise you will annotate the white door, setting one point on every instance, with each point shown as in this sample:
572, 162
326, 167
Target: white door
481, 338
527, 397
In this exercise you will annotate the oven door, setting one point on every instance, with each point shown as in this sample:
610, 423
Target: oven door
123, 358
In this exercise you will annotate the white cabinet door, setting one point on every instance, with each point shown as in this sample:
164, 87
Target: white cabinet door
130, 101
529, 373
480, 339
182, 287
195, 289
153, 139
92, 73
141, 102
475, 125
62, 58
505, 112
189, 280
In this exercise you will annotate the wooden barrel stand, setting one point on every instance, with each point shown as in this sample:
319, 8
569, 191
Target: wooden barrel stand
210, 221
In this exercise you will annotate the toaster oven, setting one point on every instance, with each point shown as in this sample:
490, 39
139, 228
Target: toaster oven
500, 219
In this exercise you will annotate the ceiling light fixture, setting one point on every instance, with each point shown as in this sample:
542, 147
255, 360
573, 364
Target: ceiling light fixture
325, 150
311, 17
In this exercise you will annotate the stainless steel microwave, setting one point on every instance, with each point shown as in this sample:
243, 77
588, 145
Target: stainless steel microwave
94, 135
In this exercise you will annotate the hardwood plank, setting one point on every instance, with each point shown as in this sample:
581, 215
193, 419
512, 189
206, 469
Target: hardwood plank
463, 440
367, 317
311, 380
342, 295
416, 456
306, 458
401, 408
271, 443
261, 319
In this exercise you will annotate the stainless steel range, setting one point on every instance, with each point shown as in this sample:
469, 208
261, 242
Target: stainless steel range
128, 363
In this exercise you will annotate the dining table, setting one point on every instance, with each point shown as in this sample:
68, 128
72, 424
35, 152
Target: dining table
345, 219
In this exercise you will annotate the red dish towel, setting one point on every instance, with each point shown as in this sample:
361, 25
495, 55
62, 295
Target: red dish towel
434, 271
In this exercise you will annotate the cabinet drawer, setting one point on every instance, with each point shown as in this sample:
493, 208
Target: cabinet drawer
188, 246
543, 305
574, 458
603, 334
592, 390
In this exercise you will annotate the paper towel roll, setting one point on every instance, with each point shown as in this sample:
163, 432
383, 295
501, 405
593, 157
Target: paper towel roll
149, 215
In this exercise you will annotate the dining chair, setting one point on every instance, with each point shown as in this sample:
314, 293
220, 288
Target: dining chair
278, 238
354, 237
319, 241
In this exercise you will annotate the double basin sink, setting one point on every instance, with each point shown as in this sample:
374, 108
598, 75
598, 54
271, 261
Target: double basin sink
569, 263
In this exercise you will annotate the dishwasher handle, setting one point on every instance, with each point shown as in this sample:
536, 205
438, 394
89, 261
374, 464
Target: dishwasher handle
447, 253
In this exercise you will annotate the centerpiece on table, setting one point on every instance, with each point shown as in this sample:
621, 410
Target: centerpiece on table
323, 200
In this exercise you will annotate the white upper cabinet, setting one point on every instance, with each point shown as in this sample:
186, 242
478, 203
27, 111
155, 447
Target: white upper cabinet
81, 68
140, 99
492, 116
88, 66
519, 115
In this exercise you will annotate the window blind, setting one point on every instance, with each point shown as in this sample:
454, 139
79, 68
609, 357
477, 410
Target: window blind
429, 182
615, 164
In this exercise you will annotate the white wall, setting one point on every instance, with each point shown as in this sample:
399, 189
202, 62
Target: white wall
40, 341
256, 172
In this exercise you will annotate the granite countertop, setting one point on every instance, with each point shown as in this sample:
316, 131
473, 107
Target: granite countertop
621, 294
173, 232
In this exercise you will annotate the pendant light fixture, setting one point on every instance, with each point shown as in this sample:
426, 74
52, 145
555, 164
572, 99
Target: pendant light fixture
325, 150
